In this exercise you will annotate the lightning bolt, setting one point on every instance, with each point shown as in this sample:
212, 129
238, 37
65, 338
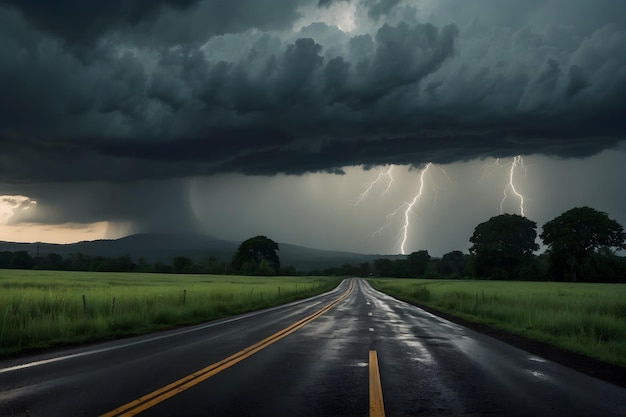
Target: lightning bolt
409, 208
489, 169
390, 216
406, 208
381, 175
390, 176
511, 185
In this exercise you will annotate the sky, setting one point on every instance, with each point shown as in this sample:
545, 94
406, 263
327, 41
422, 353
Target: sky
371, 126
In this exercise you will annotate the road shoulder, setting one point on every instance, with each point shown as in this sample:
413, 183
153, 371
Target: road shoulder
610, 373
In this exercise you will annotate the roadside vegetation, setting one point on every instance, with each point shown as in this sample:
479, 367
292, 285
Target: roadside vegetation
584, 318
41, 309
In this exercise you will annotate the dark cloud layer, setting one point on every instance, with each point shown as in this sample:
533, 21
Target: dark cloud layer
83, 24
82, 21
169, 89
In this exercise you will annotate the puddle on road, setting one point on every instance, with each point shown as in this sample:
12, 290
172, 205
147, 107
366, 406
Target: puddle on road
539, 375
359, 364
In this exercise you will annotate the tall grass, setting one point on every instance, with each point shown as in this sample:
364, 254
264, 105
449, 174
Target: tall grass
585, 318
50, 308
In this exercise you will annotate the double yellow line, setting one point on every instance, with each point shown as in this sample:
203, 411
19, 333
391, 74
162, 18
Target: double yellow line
150, 400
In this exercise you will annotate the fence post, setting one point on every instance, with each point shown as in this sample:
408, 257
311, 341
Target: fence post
113, 306
84, 305
184, 297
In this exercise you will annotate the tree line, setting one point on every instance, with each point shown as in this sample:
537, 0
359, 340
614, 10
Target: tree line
82, 262
580, 245
256, 256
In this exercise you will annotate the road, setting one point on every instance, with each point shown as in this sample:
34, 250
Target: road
318, 357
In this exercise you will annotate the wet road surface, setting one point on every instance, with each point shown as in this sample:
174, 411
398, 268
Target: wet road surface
310, 358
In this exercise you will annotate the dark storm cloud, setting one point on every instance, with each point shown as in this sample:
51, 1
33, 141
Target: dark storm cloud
325, 3
549, 77
82, 21
214, 17
578, 80
159, 95
437, 148
381, 7
152, 22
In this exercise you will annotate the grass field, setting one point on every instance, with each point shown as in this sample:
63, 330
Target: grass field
40, 309
589, 319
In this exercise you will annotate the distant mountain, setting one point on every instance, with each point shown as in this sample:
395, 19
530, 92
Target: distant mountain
164, 247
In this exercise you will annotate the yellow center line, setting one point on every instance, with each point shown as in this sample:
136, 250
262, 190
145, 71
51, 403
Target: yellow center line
149, 400
377, 407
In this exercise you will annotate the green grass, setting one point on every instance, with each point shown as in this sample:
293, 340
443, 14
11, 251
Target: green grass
41, 309
584, 318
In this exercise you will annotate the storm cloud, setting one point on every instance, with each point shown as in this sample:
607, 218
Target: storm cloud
247, 93
133, 92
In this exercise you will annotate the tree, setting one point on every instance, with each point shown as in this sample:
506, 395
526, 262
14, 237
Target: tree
252, 252
214, 266
418, 261
125, 263
78, 262
383, 267
5, 259
21, 260
502, 245
608, 266
181, 264
401, 268
142, 265
452, 264
574, 236
52, 261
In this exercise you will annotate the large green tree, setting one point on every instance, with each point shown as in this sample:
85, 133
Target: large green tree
502, 245
256, 255
573, 238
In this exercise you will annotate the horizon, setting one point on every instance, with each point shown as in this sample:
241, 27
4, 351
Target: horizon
166, 234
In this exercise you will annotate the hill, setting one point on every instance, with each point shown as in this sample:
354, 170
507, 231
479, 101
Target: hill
164, 247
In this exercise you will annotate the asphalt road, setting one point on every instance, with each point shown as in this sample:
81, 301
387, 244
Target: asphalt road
309, 358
